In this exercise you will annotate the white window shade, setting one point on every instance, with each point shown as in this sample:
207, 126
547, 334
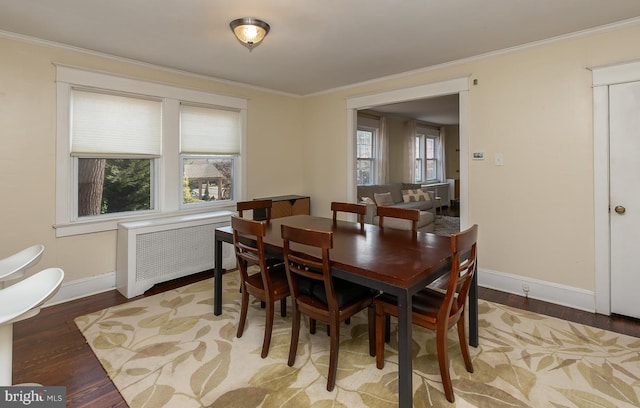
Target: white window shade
112, 124
205, 130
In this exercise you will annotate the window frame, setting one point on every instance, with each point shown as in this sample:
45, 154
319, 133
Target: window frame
422, 134
167, 186
207, 204
75, 185
372, 159
420, 159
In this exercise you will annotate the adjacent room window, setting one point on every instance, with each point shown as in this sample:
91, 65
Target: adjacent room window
128, 149
365, 157
428, 152
210, 142
115, 142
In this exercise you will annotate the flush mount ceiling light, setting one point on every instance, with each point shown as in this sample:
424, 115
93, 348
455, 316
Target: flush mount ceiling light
249, 31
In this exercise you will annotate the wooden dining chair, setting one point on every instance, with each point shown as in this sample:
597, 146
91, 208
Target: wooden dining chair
261, 212
269, 283
320, 296
261, 208
437, 310
359, 209
410, 214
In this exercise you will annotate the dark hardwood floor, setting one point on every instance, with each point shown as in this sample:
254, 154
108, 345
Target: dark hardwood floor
452, 210
50, 350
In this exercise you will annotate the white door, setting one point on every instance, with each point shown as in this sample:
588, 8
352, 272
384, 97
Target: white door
624, 134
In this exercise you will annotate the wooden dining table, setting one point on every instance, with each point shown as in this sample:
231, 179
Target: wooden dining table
398, 262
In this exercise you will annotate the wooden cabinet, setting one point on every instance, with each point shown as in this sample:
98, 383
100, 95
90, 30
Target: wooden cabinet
284, 206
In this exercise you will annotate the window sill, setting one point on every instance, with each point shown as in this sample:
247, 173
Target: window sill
93, 226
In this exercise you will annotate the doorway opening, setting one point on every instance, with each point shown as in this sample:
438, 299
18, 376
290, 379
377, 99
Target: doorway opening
457, 86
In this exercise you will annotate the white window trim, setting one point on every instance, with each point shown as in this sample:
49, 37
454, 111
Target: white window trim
431, 132
206, 205
420, 156
374, 141
118, 215
169, 198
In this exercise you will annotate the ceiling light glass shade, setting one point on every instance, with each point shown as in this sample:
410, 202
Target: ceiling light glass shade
249, 31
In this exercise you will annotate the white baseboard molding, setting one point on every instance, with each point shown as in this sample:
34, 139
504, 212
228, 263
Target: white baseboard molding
83, 287
541, 290
93, 285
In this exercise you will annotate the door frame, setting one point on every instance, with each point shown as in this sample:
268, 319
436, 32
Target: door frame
458, 86
603, 77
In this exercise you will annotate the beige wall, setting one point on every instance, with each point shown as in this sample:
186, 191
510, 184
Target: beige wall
397, 148
27, 150
534, 106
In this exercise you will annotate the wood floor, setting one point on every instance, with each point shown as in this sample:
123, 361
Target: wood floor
50, 350
449, 210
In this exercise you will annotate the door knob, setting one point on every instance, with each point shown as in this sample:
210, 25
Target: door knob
620, 209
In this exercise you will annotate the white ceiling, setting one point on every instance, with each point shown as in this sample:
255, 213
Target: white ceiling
314, 45
442, 110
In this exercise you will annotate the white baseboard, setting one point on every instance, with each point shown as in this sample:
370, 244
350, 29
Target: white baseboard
83, 287
541, 290
93, 285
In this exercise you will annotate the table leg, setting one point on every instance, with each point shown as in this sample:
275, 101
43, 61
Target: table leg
405, 364
217, 284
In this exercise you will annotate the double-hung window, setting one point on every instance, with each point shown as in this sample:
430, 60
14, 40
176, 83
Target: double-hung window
115, 146
209, 146
365, 145
428, 152
129, 149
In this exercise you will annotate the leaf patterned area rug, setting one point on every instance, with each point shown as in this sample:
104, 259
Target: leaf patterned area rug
169, 350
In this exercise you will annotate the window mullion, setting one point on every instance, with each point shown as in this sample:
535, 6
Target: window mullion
169, 178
